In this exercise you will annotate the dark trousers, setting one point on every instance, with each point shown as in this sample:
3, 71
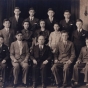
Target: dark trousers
39, 69
2, 71
55, 69
82, 66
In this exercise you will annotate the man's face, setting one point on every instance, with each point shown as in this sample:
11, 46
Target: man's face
79, 25
67, 15
41, 40
31, 12
26, 25
6, 24
17, 12
64, 36
50, 13
42, 24
1, 40
56, 27
19, 37
87, 42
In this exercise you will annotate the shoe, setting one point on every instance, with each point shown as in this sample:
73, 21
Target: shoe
14, 85
24, 85
64, 86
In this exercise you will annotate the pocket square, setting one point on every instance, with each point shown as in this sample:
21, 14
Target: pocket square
83, 34
3, 50
71, 24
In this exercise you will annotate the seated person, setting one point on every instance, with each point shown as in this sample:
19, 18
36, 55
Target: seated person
40, 55
27, 34
4, 55
42, 31
19, 54
64, 56
82, 63
55, 37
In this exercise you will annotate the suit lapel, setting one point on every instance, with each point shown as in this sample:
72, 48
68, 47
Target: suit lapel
17, 47
67, 46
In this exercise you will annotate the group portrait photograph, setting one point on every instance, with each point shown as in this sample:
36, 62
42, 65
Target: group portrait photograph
43, 43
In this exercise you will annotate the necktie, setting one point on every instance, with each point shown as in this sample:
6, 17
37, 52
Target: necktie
20, 47
40, 47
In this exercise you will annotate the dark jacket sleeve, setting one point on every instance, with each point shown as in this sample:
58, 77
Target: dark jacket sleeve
72, 53
7, 54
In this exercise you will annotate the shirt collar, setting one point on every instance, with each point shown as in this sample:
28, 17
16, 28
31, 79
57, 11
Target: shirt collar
6, 29
16, 16
31, 17
79, 30
41, 46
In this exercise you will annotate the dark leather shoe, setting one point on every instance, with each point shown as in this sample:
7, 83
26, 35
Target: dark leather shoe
24, 85
14, 85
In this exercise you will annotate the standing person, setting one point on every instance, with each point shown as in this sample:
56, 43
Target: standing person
42, 31
33, 21
16, 20
64, 57
55, 36
40, 55
27, 33
50, 20
19, 54
4, 56
67, 23
78, 36
7, 33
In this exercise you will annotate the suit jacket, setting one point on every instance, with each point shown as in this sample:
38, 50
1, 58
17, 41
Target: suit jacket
34, 24
46, 53
79, 38
16, 25
49, 25
4, 52
8, 39
83, 56
64, 54
15, 52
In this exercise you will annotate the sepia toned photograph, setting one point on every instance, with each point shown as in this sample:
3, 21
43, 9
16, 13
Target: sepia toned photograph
43, 43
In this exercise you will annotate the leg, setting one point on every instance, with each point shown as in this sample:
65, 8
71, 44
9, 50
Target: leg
55, 73
43, 73
25, 67
75, 73
86, 73
16, 69
65, 73
3, 66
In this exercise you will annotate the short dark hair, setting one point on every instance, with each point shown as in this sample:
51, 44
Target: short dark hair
50, 9
31, 9
41, 35
25, 21
6, 20
64, 31
19, 32
66, 11
16, 8
79, 20
42, 20
56, 23
1, 36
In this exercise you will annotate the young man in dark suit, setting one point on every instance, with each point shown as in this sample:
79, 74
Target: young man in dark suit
67, 23
78, 36
19, 54
16, 20
40, 55
81, 63
64, 57
33, 21
4, 56
7, 33
50, 20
